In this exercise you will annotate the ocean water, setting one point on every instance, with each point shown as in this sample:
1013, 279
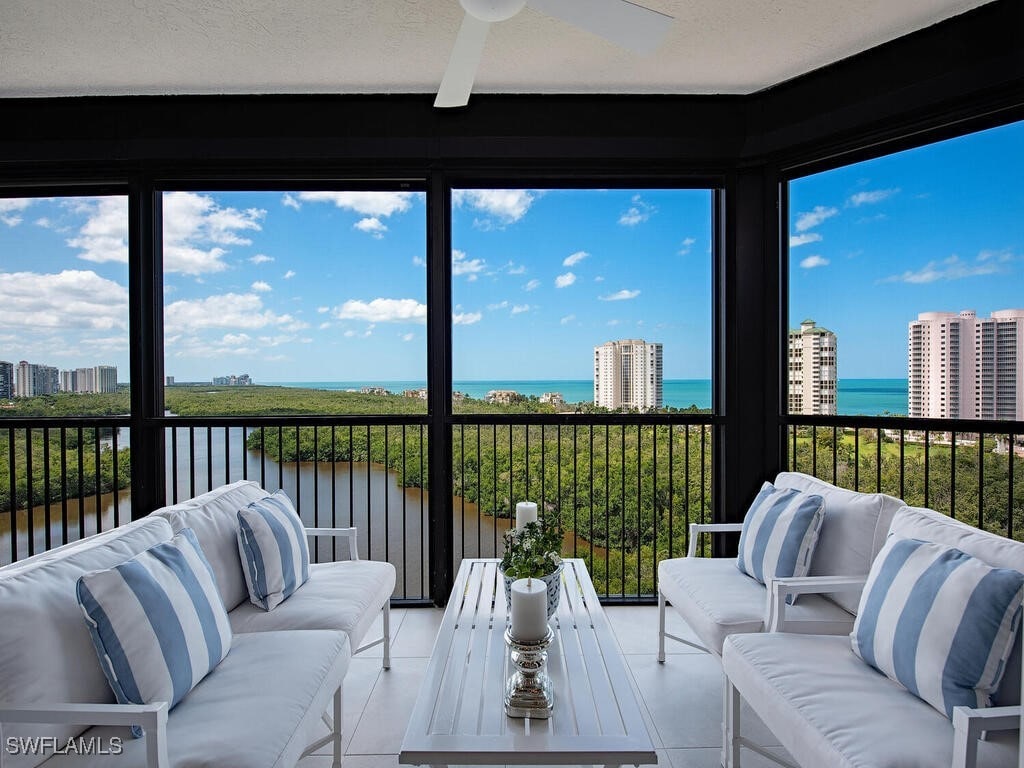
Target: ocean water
868, 397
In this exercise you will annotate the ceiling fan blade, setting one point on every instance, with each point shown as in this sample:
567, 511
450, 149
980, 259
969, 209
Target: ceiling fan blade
632, 26
462, 64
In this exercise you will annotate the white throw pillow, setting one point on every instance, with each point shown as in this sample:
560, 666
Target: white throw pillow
938, 621
779, 533
157, 621
275, 555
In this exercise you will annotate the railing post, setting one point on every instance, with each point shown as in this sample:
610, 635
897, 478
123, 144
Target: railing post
145, 310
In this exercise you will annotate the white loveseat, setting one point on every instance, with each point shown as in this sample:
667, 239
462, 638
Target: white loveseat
346, 595
263, 705
829, 708
716, 599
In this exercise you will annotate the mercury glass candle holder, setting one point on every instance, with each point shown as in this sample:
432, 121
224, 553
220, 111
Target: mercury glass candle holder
529, 692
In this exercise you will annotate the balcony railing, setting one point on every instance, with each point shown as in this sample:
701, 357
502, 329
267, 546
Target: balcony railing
966, 469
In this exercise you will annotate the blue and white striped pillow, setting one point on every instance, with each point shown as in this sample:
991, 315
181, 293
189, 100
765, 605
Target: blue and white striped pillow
157, 621
272, 543
938, 621
779, 533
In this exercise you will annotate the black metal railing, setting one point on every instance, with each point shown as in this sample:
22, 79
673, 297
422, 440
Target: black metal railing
965, 469
625, 488
61, 480
367, 472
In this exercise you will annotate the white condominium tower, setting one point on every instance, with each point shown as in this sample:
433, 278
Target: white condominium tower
966, 367
627, 374
812, 370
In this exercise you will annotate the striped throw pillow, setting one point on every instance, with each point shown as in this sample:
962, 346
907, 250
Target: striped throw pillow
157, 621
779, 533
272, 543
938, 621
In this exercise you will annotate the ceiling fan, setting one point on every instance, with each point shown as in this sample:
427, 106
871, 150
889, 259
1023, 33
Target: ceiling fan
627, 24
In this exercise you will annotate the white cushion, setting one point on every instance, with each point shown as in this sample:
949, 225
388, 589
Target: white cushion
157, 621
938, 621
779, 533
212, 516
238, 718
716, 599
828, 708
46, 653
273, 548
344, 596
853, 530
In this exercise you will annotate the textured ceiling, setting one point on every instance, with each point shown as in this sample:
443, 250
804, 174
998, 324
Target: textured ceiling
83, 47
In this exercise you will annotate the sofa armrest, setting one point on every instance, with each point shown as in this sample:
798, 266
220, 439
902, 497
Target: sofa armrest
698, 528
969, 725
151, 717
341, 533
779, 589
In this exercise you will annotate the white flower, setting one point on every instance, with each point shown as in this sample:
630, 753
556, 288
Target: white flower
555, 559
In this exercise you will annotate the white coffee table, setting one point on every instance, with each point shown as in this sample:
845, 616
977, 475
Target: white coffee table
459, 716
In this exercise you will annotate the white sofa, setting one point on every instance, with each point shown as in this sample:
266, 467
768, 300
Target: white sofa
716, 599
346, 595
829, 708
263, 705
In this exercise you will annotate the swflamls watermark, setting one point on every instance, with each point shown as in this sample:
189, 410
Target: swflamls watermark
51, 745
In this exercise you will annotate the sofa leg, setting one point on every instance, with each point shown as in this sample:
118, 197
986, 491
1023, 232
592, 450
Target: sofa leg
731, 726
387, 634
661, 627
338, 704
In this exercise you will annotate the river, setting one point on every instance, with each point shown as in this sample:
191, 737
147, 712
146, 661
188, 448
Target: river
367, 496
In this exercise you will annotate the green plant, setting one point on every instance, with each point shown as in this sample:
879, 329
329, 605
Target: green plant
533, 551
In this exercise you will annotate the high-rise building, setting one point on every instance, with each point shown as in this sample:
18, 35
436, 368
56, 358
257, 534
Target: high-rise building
106, 379
6, 380
67, 381
25, 380
628, 374
963, 366
85, 380
813, 376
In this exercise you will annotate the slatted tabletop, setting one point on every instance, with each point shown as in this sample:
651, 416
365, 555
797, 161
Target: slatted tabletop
459, 716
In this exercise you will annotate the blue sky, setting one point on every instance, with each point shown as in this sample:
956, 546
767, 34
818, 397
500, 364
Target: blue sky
331, 286
937, 228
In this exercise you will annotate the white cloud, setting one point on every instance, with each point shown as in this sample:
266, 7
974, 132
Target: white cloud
104, 235
466, 318
612, 322
261, 286
67, 300
383, 311
563, 281
814, 261
260, 258
637, 213
954, 268
324, 326
810, 219
507, 206
289, 274
372, 226
229, 310
575, 258
870, 197
349, 334
567, 319
623, 295
43, 222
532, 285
408, 336
512, 269
323, 310
599, 279
463, 266
11, 207
365, 203
419, 261
686, 245
195, 226
289, 201
810, 237
518, 309
499, 305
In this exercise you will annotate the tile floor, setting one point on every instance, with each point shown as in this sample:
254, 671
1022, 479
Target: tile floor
681, 699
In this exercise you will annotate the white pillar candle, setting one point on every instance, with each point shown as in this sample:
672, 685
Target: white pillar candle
529, 609
526, 512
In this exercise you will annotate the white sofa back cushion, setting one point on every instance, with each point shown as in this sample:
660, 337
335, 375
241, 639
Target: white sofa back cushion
46, 653
993, 550
213, 517
853, 530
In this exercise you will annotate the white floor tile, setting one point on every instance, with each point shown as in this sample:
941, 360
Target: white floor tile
416, 634
705, 757
377, 630
383, 722
636, 629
